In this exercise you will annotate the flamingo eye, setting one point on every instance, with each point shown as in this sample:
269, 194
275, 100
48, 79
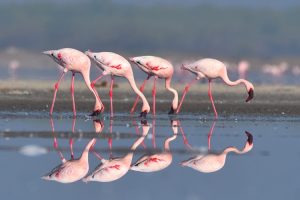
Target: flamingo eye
95, 56
138, 62
59, 56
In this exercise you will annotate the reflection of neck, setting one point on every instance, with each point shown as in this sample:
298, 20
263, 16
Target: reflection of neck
85, 154
167, 142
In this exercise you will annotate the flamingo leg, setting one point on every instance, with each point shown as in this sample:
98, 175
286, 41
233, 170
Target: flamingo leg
186, 89
137, 97
56, 86
211, 130
72, 93
154, 95
137, 131
211, 98
71, 139
111, 96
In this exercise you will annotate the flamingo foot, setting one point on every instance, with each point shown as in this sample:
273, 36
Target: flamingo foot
96, 113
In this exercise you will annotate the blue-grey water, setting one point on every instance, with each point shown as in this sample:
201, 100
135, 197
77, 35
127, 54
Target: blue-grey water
268, 171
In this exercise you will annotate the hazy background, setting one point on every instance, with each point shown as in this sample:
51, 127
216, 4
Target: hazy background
261, 31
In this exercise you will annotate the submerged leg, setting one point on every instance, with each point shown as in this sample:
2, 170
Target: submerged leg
137, 97
56, 86
72, 93
211, 98
186, 89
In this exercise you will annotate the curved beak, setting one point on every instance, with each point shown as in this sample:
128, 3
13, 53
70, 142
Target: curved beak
250, 138
47, 52
131, 59
183, 67
251, 95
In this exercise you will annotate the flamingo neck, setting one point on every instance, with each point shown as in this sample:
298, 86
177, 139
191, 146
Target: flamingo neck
129, 156
175, 93
132, 83
86, 77
232, 149
85, 154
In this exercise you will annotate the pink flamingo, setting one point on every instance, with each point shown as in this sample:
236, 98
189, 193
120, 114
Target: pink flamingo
158, 161
212, 162
113, 169
71, 170
76, 62
159, 68
115, 65
243, 68
211, 69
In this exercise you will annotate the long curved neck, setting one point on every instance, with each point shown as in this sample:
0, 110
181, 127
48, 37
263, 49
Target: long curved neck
167, 142
235, 150
234, 83
132, 83
86, 77
129, 156
85, 154
175, 93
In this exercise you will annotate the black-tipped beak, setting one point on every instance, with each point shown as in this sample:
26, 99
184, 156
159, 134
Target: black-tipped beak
96, 113
144, 122
251, 95
172, 111
143, 114
250, 138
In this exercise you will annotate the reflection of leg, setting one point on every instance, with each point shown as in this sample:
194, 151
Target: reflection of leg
71, 139
186, 142
154, 94
153, 134
186, 89
56, 86
211, 130
72, 93
55, 144
137, 97
137, 131
211, 99
110, 138
111, 96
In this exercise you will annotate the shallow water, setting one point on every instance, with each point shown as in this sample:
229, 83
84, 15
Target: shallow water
267, 171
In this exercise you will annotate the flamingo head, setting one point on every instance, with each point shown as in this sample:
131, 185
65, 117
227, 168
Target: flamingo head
98, 124
56, 55
249, 143
98, 58
250, 90
137, 60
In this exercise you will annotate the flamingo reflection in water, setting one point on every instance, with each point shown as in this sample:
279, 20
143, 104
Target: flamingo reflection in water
70, 170
212, 162
115, 168
158, 161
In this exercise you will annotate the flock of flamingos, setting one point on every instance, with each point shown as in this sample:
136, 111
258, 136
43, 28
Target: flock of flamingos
115, 65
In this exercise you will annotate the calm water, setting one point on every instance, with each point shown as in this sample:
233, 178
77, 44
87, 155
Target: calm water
267, 171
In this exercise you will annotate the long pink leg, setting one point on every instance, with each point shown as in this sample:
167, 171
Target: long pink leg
56, 86
211, 98
137, 97
95, 91
55, 144
111, 96
186, 89
72, 93
154, 95
211, 130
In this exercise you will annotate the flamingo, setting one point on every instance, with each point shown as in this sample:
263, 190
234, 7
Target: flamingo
71, 170
76, 62
213, 162
113, 169
212, 69
159, 161
115, 65
158, 68
243, 68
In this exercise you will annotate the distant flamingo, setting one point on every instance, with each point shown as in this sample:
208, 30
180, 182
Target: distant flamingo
76, 62
211, 69
71, 170
212, 162
115, 65
113, 169
158, 161
243, 68
159, 68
